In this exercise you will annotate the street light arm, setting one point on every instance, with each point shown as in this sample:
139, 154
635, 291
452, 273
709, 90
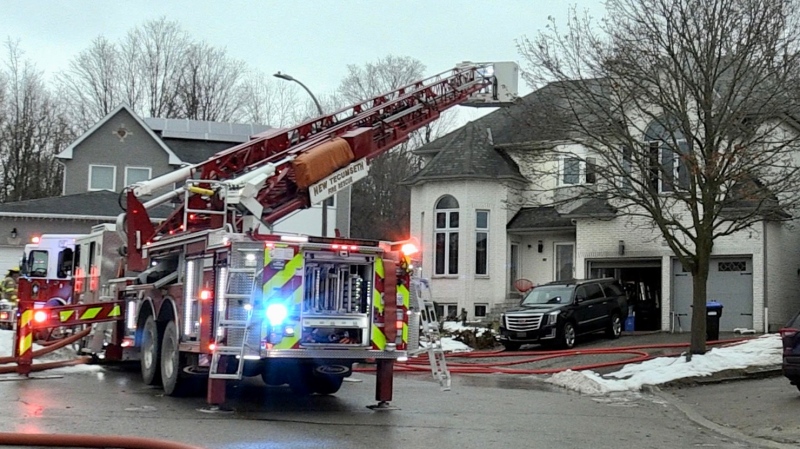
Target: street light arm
316, 102
287, 77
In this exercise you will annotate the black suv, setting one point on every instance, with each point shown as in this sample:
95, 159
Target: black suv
557, 312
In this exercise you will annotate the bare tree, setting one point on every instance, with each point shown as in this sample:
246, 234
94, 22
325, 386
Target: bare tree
678, 109
160, 53
92, 82
211, 85
380, 205
32, 131
269, 102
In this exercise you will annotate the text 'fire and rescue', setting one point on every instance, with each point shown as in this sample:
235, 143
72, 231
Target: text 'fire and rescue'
338, 180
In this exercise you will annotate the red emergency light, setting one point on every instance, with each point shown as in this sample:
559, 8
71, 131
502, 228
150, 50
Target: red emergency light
40, 316
35, 239
205, 294
3, 315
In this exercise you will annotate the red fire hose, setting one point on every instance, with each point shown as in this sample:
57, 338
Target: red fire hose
639, 354
78, 440
46, 350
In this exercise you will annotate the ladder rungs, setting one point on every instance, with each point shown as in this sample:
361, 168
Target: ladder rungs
228, 350
237, 295
224, 376
234, 323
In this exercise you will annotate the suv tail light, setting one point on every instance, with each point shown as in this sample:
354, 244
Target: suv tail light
788, 333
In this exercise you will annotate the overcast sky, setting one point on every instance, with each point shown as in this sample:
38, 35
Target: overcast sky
313, 40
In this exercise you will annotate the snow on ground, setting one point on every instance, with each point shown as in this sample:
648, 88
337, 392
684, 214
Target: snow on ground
762, 351
456, 326
450, 345
66, 353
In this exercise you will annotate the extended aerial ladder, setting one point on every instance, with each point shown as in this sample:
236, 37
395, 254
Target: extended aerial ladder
280, 170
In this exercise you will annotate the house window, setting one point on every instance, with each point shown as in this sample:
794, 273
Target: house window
574, 170
482, 242
565, 261
480, 310
447, 311
513, 266
627, 168
666, 149
102, 177
446, 236
137, 174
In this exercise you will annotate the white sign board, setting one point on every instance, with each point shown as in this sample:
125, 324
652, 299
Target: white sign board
337, 181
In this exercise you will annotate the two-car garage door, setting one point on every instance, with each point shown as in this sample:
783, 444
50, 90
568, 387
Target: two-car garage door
730, 282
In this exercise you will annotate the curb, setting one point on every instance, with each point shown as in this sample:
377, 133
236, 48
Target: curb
732, 375
729, 432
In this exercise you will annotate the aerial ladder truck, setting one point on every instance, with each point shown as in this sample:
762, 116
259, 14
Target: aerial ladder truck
211, 292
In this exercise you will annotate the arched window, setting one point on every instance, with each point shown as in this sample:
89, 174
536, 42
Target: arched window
666, 147
446, 235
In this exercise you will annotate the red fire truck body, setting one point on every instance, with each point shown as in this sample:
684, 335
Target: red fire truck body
211, 292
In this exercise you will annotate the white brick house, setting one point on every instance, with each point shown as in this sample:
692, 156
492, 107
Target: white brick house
477, 208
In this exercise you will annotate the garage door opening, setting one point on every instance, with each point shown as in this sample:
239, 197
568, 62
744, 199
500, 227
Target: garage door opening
642, 282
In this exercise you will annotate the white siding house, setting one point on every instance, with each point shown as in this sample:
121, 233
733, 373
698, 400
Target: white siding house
495, 165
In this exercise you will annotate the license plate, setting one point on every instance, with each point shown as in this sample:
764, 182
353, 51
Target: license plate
522, 334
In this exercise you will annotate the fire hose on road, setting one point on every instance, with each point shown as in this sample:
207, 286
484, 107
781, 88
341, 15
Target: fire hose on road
638, 353
46, 350
93, 441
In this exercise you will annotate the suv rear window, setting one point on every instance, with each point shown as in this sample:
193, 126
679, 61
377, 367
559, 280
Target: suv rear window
590, 291
612, 289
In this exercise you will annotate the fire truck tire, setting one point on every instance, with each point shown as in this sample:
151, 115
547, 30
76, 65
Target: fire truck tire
171, 361
322, 384
151, 371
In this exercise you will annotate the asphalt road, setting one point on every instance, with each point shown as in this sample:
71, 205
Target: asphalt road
479, 412
765, 409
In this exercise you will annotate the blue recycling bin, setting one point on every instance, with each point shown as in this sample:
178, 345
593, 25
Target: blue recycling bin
713, 314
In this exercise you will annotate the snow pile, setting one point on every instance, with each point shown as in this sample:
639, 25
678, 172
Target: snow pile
762, 351
450, 345
454, 327
65, 353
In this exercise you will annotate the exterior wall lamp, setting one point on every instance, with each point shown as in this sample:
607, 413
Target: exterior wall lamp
622, 247
540, 246
14, 233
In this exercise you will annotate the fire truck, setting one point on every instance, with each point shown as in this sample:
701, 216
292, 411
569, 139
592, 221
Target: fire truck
212, 293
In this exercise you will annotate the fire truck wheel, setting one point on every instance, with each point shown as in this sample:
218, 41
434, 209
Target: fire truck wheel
323, 384
170, 361
150, 352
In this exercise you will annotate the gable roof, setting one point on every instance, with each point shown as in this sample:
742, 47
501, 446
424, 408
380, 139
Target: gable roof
468, 153
67, 153
95, 205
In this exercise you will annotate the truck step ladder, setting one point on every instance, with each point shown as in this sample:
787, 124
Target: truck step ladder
421, 299
239, 285
430, 329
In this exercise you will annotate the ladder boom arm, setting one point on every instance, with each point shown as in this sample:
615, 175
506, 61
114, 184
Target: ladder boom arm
275, 168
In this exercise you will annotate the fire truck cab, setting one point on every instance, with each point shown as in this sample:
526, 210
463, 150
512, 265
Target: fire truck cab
47, 269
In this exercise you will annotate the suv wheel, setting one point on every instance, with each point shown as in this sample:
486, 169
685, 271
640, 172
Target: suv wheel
511, 345
567, 335
614, 329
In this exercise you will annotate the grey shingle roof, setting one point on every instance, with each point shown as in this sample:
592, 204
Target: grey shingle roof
469, 154
544, 217
593, 207
194, 151
101, 203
